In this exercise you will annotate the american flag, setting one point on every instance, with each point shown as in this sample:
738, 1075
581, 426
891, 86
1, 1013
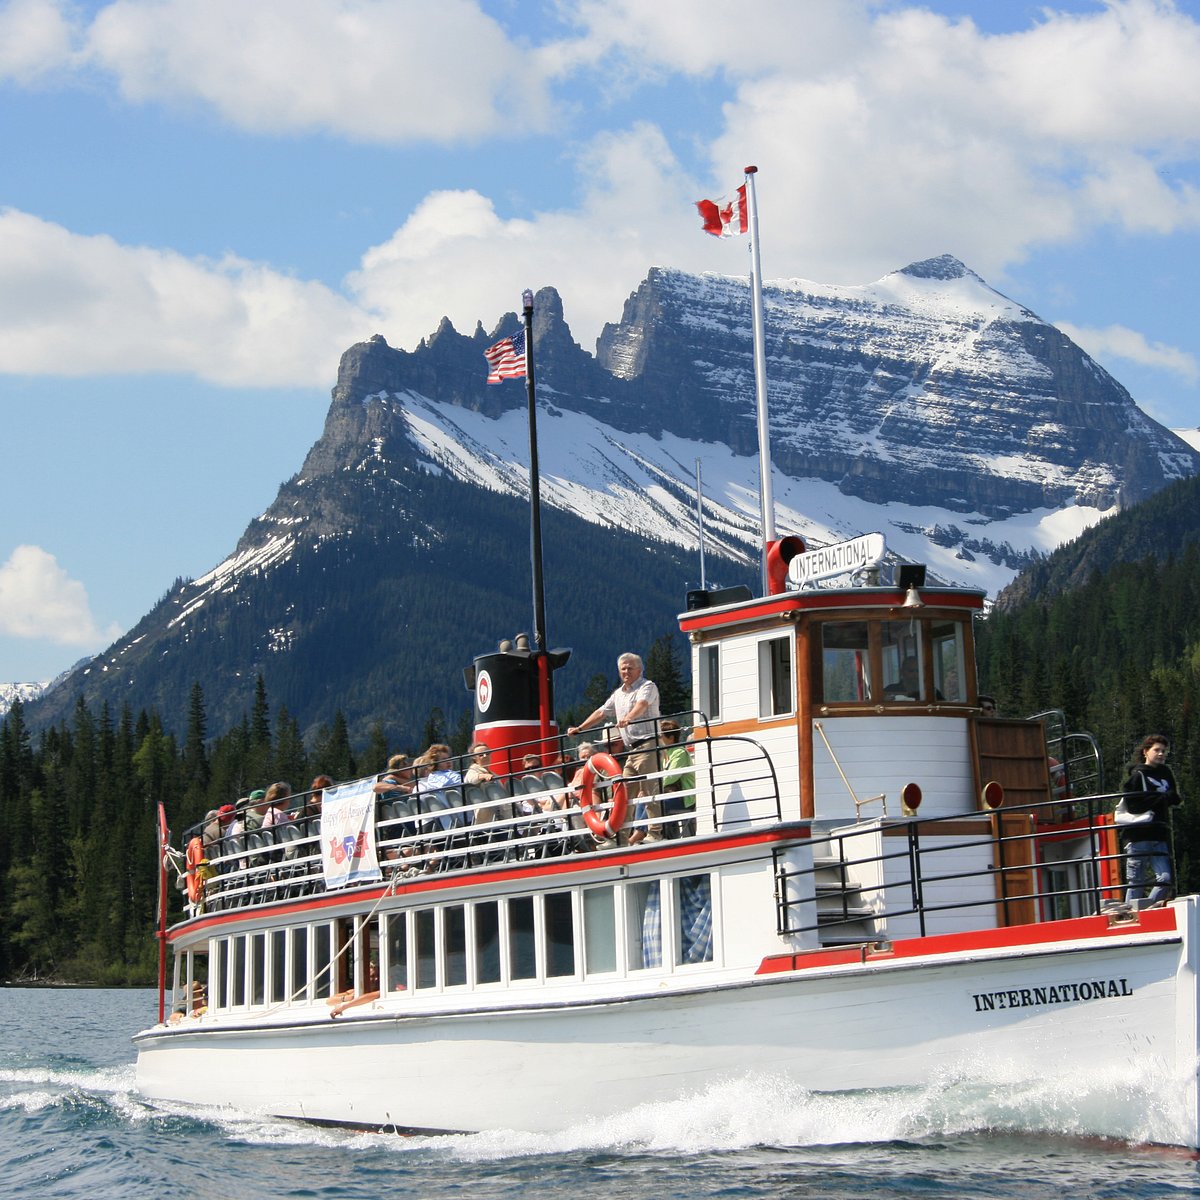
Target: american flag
506, 359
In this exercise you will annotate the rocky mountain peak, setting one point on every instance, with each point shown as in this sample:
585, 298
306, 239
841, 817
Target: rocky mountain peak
944, 266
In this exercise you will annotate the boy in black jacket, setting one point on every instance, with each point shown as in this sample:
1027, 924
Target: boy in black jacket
1144, 823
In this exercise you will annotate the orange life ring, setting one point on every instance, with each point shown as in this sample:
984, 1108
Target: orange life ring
195, 876
602, 762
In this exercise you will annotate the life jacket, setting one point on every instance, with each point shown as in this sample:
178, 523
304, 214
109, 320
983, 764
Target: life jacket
196, 872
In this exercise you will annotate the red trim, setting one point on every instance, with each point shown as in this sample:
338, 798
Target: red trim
576, 864
1155, 920
819, 601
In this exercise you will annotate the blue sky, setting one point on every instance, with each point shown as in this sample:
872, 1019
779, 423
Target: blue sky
202, 205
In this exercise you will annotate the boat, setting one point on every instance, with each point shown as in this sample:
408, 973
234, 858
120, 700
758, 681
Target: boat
878, 886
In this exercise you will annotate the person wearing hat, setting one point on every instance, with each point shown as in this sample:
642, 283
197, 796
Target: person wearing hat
224, 822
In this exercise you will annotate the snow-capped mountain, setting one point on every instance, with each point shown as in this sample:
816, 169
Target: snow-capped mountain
25, 692
926, 406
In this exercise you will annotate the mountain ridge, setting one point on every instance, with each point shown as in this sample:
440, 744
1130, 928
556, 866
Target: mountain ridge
927, 404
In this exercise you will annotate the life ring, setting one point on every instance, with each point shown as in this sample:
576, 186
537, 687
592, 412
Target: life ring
196, 875
597, 763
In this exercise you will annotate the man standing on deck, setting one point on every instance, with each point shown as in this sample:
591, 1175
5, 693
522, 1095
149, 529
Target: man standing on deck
633, 708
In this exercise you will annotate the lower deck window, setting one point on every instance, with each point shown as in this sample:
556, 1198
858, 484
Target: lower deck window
454, 920
641, 925
426, 947
693, 909
397, 952
522, 944
487, 942
560, 934
599, 931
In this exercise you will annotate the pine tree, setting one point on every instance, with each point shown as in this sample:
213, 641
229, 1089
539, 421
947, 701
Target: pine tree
663, 667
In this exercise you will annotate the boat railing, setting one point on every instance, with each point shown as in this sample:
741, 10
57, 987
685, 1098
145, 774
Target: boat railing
514, 819
862, 882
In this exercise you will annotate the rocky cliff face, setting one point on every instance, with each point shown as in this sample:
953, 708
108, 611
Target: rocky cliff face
926, 387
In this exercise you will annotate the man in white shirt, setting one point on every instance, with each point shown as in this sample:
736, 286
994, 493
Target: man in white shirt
633, 709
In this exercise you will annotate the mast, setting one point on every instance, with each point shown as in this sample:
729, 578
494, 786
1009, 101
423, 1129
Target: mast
765, 490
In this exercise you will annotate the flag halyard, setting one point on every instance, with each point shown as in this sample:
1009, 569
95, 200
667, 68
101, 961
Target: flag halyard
506, 359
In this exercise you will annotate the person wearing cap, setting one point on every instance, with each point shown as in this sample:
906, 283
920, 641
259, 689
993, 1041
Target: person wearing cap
225, 822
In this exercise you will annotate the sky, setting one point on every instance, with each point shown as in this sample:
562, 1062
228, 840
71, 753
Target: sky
203, 204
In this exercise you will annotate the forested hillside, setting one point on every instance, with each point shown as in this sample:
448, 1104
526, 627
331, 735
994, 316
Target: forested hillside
1108, 629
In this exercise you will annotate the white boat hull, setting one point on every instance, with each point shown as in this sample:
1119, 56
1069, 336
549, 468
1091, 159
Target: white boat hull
1116, 1005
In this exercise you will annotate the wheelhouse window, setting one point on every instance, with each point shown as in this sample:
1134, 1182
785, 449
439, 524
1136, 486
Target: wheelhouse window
710, 681
776, 694
846, 661
915, 659
949, 677
903, 665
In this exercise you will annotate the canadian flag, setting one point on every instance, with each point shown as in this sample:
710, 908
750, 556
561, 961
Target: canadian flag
725, 217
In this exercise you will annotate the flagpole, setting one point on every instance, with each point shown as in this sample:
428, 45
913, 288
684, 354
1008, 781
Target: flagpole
700, 524
765, 490
535, 530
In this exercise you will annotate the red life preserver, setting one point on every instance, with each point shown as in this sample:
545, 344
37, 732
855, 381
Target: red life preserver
195, 877
598, 762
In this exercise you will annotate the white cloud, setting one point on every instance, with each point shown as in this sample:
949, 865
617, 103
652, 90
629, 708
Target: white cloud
38, 599
371, 70
75, 305
36, 37
884, 135
456, 256
1116, 341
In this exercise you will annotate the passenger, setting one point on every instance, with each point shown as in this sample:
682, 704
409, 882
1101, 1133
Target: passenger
194, 1003
633, 708
478, 773
442, 773
273, 808
1143, 822
227, 824
397, 780
987, 706
679, 783
344, 1000
310, 805
581, 843
250, 808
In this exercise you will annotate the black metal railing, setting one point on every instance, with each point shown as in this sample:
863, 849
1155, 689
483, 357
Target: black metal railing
519, 816
863, 877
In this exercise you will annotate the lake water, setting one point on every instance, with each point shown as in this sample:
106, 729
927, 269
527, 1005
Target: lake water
72, 1125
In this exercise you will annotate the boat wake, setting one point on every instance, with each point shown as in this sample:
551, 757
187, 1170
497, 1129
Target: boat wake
734, 1115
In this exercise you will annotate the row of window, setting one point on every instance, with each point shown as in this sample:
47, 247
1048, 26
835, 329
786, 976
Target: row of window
861, 661
576, 933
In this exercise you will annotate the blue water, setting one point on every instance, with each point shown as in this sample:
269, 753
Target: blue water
71, 1125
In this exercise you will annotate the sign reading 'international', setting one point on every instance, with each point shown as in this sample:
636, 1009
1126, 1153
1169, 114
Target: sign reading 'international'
1058, 993
839, 559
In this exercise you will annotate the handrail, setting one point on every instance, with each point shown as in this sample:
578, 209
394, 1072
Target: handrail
464, 828
920, 862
